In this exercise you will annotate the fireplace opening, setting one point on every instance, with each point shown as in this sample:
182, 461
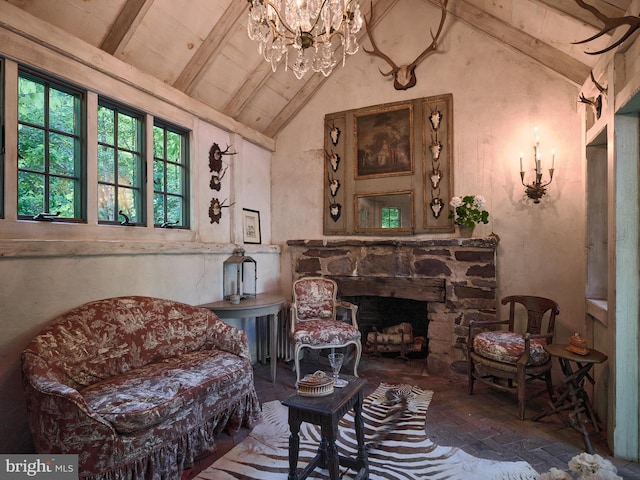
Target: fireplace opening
385, 313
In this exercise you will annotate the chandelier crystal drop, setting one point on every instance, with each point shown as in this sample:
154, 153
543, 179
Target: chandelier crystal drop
308, 27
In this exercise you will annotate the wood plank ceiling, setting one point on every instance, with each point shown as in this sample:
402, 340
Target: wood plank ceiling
188, 43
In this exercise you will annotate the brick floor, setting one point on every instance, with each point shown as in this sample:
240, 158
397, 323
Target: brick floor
484, 424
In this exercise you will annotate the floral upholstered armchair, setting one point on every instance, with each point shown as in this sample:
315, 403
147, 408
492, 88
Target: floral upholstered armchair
314, 323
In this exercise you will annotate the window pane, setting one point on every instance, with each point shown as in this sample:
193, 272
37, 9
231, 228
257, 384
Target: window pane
158, 209
158, 142
31, 148
61, 197
127, 132
127, 203
61, 155
158, 175
174, 147
30, 102
106, 125
106, 203
174, 209
106, 164
61, 111
30, 193
174, 180
127, 169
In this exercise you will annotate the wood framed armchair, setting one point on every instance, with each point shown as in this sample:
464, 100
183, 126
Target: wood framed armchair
509, 360
314, 323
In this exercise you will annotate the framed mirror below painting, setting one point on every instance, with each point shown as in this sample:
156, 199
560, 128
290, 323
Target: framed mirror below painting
389, 168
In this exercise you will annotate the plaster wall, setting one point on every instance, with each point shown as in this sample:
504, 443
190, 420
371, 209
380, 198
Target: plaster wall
499, 97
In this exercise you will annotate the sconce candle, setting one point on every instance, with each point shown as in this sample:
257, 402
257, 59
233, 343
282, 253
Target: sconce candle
537, 189
521, 155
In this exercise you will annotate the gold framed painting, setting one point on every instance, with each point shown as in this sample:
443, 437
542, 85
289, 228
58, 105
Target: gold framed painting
383, 138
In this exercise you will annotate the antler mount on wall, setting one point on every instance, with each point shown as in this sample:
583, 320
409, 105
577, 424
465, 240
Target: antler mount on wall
218, 171
609, 25
404, 76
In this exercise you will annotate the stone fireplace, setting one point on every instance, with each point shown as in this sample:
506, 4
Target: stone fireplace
456, 277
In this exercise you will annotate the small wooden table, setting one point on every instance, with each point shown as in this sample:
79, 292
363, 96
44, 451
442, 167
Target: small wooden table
327, 412
575, 398
262, 305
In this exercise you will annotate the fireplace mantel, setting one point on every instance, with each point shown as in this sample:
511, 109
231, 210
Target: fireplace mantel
478, 242
455, 276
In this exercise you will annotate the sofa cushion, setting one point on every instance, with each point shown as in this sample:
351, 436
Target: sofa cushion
145, 396
508, 347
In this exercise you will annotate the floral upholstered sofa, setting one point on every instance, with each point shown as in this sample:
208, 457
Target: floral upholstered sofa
137, 386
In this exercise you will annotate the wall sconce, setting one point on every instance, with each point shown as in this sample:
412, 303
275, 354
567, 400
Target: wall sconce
536, 190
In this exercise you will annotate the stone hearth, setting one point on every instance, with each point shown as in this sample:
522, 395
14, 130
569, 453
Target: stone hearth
455, 276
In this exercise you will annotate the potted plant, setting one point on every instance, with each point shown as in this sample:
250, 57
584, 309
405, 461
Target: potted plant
468, 212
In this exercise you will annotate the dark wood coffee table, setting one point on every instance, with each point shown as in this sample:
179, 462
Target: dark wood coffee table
326, 412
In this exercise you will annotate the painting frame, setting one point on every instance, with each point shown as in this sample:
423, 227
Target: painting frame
429, 122
251, 232
383, 138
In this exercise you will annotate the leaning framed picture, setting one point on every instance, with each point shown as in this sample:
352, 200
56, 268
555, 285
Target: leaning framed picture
251, 225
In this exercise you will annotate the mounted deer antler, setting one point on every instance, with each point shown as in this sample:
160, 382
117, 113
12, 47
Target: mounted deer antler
601, 89
404, 76
596, 103
215, 157
609, 24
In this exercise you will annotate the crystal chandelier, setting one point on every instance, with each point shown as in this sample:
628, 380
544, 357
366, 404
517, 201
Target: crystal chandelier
305, 26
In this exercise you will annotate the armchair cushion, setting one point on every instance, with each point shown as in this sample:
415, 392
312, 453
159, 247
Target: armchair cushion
325, 332
508, 347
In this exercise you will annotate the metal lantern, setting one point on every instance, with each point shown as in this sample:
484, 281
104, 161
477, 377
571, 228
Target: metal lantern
240, 275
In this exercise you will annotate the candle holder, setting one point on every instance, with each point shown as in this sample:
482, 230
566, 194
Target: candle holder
537, 189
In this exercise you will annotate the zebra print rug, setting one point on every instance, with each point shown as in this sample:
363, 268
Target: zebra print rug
397, 444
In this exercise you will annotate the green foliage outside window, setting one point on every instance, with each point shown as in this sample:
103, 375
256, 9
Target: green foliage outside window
391, 217
120, 167
169, 176
49, 152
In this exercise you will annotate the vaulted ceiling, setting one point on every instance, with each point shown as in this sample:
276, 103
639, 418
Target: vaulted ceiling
188, 43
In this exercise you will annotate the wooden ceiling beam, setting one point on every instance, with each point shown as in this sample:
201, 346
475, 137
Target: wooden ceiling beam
552, 58
246, 91
124, 26
193, 72
573, 10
